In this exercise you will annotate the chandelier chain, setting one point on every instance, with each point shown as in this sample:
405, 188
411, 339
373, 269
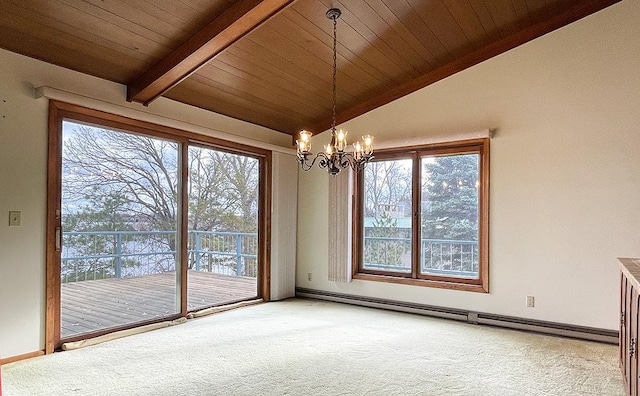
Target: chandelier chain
335, 65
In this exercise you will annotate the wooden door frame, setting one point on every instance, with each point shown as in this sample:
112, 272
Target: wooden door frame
54, 226
58, 111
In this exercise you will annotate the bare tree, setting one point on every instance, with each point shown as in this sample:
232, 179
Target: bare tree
241, 176
222, 187
387, 184
143, 174
141, 169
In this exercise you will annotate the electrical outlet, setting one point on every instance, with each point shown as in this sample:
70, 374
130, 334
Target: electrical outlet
309, 276
530, 301
14, 219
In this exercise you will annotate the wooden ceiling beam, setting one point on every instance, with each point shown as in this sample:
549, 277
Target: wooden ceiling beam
541, 28
234, 23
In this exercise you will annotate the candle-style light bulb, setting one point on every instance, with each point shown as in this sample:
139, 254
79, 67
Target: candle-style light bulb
341, 140
357, 150
367, 143
328, 149
304, 142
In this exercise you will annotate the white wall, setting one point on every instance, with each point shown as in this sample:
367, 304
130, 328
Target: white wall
565, 171
23, 169
23, 161
283, 232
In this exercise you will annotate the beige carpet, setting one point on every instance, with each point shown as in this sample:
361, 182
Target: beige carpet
305, 347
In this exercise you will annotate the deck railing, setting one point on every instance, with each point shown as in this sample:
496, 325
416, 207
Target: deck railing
118, 254
94, 255
437, 256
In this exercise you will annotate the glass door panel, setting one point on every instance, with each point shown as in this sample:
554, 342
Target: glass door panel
223, 227
119, 229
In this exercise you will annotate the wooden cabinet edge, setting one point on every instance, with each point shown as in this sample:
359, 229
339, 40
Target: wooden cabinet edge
629, 323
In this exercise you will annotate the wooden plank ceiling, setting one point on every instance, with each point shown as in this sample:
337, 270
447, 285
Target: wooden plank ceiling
269, 61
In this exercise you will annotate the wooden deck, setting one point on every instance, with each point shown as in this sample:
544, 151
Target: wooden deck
101, 304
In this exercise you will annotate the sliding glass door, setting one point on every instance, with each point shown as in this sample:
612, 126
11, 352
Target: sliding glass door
147, 223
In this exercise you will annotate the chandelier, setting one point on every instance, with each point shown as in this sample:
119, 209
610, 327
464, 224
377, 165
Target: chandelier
334, 158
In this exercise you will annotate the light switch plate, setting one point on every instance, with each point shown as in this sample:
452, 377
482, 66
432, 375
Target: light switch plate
14, 219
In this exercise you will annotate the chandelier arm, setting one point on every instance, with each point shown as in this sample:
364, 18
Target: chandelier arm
346, 160
304, 162
325, 160
307, 165
335, 162
356, 164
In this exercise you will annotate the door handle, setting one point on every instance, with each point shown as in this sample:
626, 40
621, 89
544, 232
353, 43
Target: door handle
58, 238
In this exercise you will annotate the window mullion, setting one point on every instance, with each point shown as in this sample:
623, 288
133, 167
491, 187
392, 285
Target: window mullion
183, 230
415, 222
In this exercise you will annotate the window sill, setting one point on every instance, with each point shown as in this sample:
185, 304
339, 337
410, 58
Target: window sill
451, 285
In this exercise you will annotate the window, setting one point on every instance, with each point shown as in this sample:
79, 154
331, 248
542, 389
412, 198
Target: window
422, 216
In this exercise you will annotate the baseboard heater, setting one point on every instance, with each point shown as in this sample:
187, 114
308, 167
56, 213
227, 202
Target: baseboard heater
538, 326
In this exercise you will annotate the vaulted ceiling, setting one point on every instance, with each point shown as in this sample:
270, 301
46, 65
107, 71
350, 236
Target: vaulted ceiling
269, 61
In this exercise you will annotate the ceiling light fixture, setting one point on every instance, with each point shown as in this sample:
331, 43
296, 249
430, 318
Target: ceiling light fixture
334, 158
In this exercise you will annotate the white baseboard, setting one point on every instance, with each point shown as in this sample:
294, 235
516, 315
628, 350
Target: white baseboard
538, 326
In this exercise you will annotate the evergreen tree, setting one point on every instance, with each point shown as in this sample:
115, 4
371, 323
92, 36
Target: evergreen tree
388, 250
100, 212
451, 193
385, 226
